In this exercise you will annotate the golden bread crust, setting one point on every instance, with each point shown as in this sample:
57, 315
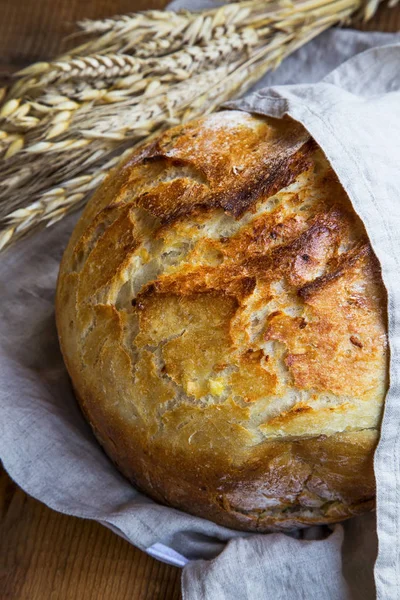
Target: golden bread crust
223, 320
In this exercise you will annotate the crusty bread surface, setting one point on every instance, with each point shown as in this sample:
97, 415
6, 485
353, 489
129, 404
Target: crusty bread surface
223, 320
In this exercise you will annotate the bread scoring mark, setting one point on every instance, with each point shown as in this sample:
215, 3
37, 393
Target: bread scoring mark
346, 261
274, 176
91, 236
280, 151
152, 170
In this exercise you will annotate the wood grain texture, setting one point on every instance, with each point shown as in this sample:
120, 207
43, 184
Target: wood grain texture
45, 555
49, 556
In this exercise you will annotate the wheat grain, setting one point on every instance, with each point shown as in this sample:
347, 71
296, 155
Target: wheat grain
9, 108
5, 236
57, 129
16, 145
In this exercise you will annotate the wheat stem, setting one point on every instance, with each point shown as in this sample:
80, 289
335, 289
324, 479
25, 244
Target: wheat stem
54, 204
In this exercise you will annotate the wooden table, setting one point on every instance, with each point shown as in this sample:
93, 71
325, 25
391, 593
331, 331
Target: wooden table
46, 555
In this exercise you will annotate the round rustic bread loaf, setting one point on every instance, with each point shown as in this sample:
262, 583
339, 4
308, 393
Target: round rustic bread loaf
223, 320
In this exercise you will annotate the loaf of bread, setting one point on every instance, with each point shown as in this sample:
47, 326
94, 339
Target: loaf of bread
223, 320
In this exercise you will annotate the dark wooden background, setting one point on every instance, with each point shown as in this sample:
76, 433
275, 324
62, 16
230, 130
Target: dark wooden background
45, 555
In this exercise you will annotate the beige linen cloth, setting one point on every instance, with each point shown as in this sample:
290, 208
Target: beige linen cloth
49, 450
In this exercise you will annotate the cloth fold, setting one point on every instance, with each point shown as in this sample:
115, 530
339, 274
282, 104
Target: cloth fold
278, 569
48, 449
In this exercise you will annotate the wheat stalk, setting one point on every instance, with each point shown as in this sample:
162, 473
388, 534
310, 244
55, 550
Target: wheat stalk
64, 124
122, 75
117, 65
54, 204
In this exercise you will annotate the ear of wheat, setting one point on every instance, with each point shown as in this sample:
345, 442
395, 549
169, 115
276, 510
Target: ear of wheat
64, 124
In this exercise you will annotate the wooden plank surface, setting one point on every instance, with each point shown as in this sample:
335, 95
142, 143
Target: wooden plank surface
48, 556
45, 555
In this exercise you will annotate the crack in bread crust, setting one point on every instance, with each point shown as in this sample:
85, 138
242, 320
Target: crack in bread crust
223, 320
